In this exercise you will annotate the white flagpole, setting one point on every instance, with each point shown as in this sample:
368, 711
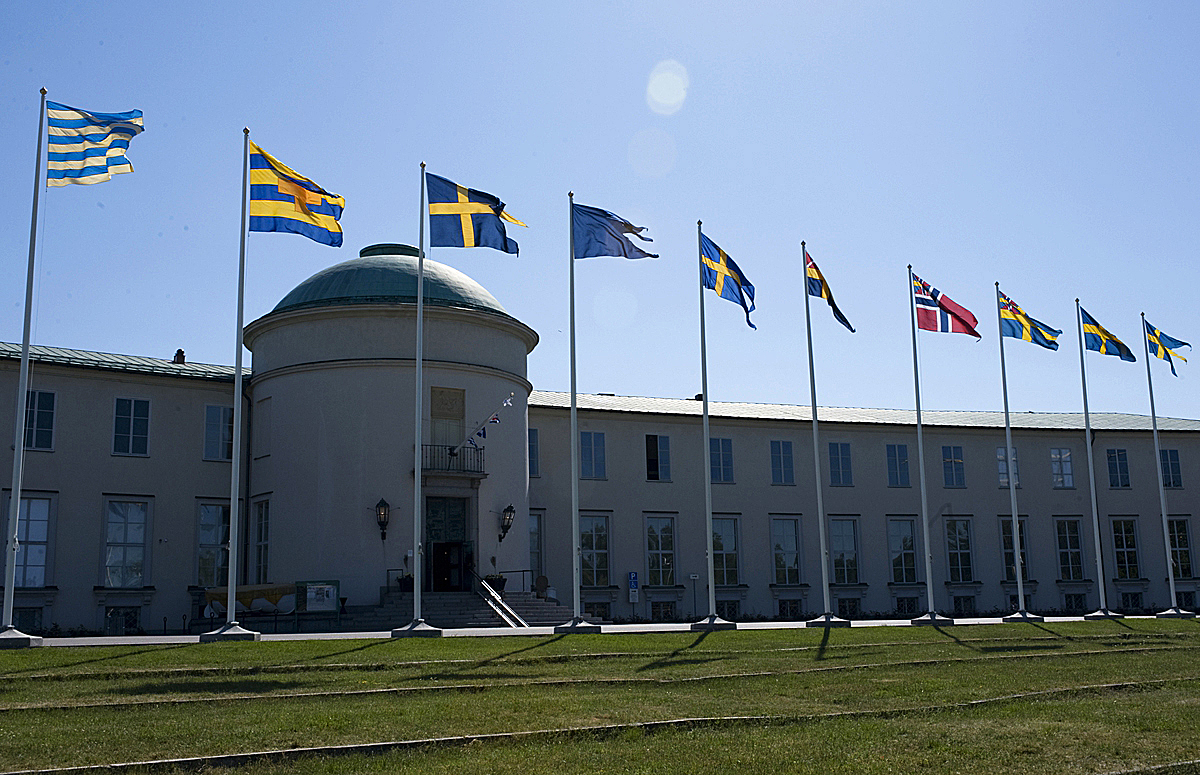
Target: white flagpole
1102, 612
827, 619
10, 636
1022, 615
1174, 611
931, 616
232, 630
710, 621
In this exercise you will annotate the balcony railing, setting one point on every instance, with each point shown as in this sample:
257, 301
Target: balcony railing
437, 457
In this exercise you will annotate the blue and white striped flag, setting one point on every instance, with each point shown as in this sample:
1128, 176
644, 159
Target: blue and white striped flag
87, 147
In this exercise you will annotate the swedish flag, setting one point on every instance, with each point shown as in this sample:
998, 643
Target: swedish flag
461, 217
1016, 324
1096, 337
282, 199
719, 273
1163, 346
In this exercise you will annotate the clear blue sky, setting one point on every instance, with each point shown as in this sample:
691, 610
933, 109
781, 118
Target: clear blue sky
1047, 146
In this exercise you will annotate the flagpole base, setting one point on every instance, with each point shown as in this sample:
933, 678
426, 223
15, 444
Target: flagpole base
417, 628
231, 631
12, 638
1175, 613
577, 626
827, 620
713, 623
932, 619
1023, 616
1101, 613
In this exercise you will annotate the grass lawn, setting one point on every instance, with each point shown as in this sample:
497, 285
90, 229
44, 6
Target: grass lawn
1054, 698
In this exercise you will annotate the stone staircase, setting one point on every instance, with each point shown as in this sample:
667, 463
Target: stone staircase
451, 610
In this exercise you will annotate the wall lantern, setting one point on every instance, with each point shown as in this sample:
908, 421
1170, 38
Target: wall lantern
383, 512
506, 520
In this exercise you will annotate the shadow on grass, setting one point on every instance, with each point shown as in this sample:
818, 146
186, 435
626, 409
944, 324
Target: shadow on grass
363, 647
824, 644
673, 660
209, 686
959, 641
109, 658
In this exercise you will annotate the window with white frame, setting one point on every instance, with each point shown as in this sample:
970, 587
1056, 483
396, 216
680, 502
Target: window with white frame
725, 551
840, 473
1125, 548
658, 458
131, 426
781, 463
785, 549
720, 459
213, 560
953, 470
1118, 469
1061, 475
534, 453
262, 541
591, 455
126, 524
39, 420
218, 433
902, 550
843, 550
593, 543
1010, 562
897, 465
1181, 552
958, 549
1070, 550
1171, 475
660, 551
536, 564
1002, 467
33, 542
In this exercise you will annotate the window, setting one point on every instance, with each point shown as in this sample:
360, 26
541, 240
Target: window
39, 420
593, 542
33, 537
958, 547
843, 547
597, 611
785, 546
1010, 562
1060, 469
660, 551
662, 610
125, 546
725, 551
260, 439
964, 605
1070, 550
534, 465
1074, 602
1131, 601
729, 610
720, 459
131, 426
591, 455
262, 536
218, 433
906, 606
849, 607
447, 416
1125, 549
840, 474
1181, 554
1171, 477
658, 458
1183, 599
536, 566
897, 463
1002, 467
791, 610
902, 550
953, 473
28, 620
781, 463
214, 545
122, 620
1118, 469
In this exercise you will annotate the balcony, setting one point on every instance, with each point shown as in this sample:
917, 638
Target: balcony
467, 460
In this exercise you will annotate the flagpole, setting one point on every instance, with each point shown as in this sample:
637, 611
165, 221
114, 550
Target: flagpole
827, 619
931, 616
1102, 612
1174, 611
1022, 615
10, 636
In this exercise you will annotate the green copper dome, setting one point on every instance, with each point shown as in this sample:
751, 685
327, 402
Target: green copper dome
387, 274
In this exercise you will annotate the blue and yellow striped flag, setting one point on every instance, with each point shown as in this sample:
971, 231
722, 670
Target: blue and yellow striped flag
282, 199
1096, 337
1164, 346
1016, 324
87, 147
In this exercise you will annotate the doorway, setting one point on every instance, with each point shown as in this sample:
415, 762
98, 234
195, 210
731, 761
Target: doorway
451, 555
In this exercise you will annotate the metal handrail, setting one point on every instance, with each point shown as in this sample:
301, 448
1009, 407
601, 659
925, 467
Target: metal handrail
493, 599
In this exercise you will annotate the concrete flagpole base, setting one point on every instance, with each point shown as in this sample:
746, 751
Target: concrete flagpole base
417, 628
1102, 613
1023, 616
932, 619
12, 638
712, 623
1175, 613
827, 620
578, 626
231, 631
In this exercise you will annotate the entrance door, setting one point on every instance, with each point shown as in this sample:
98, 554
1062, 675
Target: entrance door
447, 566
450, 553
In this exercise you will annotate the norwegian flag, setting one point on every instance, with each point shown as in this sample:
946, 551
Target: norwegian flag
937, 312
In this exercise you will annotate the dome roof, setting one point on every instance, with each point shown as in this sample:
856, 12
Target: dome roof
387, 274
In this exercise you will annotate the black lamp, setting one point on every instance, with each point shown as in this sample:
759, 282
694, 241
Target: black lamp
383, 512
506, 520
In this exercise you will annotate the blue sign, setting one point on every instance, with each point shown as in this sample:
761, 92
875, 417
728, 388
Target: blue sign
633, 579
